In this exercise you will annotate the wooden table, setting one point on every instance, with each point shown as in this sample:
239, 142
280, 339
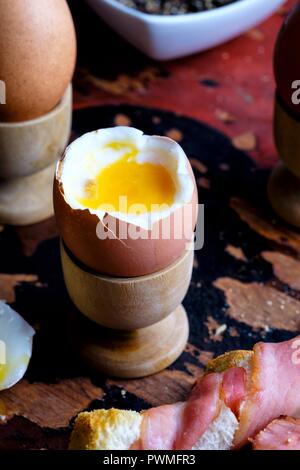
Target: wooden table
245, 285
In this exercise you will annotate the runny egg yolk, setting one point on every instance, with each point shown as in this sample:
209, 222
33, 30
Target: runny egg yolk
3, 372
146, 186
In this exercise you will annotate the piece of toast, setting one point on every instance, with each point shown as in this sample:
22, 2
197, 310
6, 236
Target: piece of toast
119, 429
106, 430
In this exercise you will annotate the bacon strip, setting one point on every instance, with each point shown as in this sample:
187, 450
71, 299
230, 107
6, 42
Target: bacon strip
281, 434
234, 388
180, 426
258, 394
273, 388
201, 409
161, 426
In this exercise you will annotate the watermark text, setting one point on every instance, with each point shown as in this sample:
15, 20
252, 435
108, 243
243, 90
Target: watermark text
2, 92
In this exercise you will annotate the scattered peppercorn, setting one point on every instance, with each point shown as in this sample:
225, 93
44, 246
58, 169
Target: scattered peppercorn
174, 7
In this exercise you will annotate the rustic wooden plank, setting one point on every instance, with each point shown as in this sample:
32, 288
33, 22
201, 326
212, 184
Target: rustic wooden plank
49, 405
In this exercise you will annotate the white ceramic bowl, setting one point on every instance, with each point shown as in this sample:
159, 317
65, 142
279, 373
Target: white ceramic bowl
169, 37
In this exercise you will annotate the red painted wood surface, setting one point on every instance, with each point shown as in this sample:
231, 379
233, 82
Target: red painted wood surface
241, 68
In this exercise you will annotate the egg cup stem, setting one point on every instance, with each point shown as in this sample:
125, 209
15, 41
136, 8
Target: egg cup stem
28, 199
134, 326
28, 154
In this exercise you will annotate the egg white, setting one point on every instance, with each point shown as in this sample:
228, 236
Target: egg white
87, 156
15, 346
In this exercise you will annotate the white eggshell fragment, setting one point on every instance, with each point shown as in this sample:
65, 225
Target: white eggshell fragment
15, 346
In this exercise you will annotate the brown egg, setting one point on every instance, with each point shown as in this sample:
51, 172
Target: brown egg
287, 62
37, 56
124, 257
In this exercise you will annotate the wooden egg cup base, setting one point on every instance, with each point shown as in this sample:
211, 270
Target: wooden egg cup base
284, 194
130, 327
130, 354
27, 199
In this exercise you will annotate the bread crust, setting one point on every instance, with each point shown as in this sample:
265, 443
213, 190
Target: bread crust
238, 358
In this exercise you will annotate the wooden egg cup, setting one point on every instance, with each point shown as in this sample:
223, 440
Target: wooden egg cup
284, 183
28, 152
132, 327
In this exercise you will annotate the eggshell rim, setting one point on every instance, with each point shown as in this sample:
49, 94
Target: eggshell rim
124, 280
173, 208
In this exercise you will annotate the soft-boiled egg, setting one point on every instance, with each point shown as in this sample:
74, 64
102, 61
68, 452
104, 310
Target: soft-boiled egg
125, 202
15, 346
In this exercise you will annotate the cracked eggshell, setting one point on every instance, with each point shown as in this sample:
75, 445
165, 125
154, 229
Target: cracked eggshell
127, 257
16, 337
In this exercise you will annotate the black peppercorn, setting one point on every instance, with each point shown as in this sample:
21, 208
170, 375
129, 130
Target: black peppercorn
174, 7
